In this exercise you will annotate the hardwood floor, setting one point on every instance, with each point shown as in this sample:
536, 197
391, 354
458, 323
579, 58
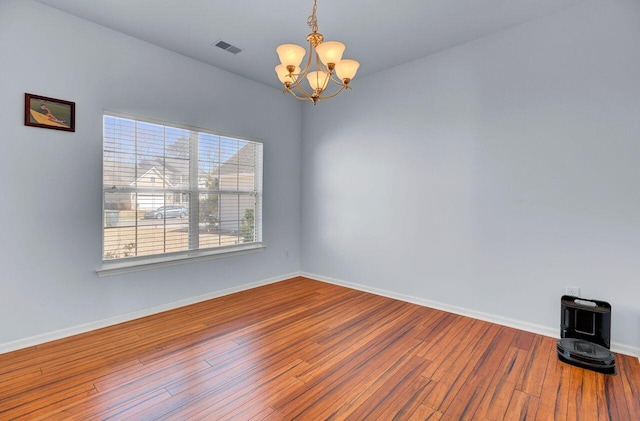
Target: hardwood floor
302, 349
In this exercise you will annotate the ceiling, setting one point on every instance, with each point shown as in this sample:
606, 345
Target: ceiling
378, 34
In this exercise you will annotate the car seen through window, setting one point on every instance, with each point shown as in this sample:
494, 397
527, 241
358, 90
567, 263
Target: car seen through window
167, 212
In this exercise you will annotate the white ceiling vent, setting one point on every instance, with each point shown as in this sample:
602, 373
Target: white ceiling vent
227, 47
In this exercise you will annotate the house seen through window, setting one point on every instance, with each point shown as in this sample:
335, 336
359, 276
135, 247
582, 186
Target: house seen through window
171, 190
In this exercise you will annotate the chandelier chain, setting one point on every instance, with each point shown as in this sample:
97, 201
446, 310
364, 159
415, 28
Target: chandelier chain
312, 20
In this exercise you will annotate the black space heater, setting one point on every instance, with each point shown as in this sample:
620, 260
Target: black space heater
585, 332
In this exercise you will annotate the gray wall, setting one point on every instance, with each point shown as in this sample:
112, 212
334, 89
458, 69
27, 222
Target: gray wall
491, 175
51, 196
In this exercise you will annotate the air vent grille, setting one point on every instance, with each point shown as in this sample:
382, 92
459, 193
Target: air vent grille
227, 47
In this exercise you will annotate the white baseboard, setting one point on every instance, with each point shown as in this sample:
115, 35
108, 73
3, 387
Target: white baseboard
493, 318
86, 327
75, 330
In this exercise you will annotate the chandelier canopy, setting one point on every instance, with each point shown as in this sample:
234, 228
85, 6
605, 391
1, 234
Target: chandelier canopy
328, 66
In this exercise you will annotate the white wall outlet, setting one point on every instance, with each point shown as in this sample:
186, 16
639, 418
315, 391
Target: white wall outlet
575, 291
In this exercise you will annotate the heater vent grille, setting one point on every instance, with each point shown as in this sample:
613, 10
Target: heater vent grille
227, 47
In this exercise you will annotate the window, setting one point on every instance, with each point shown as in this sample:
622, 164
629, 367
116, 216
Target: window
169, 191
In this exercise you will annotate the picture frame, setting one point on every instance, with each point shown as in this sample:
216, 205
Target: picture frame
49, 113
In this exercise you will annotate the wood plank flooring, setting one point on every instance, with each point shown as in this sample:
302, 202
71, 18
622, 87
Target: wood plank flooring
302, 349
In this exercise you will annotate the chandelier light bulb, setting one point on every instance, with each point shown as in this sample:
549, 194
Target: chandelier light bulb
290, 54
318, 80
283, 73
347, 69
330, 52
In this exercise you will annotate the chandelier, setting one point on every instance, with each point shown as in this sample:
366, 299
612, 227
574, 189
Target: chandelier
328, 66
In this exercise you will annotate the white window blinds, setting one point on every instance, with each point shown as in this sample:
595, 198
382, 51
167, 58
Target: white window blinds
171, 190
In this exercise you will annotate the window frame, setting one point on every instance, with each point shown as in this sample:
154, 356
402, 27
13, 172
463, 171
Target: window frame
136, 263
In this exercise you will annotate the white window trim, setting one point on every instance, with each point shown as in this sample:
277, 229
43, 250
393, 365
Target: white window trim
135, 264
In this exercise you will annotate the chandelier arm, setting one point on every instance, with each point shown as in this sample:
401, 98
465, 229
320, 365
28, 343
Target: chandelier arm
335, 79
321, 67
308, 95
301, 98
301, 91
303, 73
327, 79
342, 88
296, 80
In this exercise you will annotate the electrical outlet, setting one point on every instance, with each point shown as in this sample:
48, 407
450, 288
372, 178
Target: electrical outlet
575, 291
286, 254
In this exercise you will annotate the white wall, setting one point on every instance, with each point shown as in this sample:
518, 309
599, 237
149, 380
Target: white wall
491, 175
50, 241
488, 176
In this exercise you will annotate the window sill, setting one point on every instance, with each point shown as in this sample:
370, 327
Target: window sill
136, 264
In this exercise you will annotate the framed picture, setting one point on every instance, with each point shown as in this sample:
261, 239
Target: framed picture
49, 113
